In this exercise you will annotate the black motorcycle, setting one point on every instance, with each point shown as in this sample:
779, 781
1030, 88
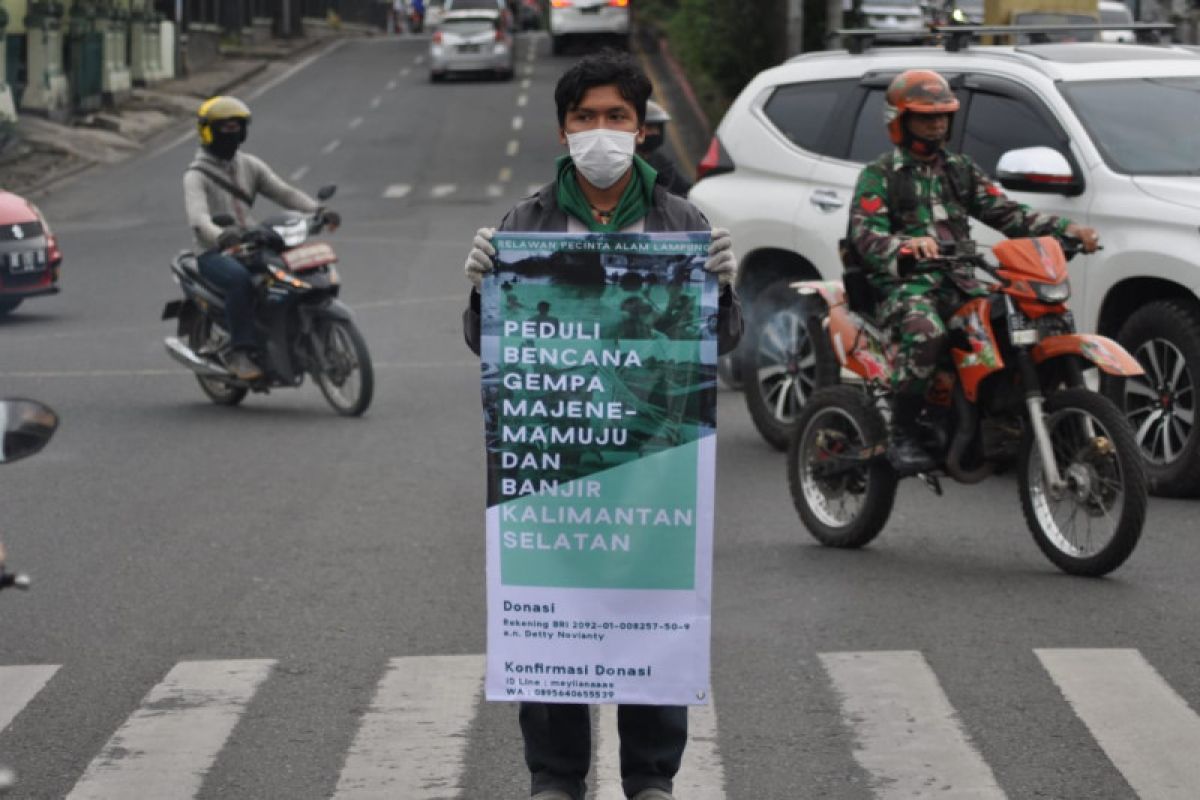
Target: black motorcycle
25, 428
304, 328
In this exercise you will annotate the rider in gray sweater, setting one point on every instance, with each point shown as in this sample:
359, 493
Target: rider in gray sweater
220, 180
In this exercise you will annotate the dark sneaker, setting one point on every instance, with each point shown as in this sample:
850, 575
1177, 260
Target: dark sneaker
906, 456
242, 366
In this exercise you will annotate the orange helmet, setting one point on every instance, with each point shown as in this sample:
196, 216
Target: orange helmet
920, 91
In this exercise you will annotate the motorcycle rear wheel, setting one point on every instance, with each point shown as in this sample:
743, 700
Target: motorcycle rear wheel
846, 508
202, 336
1093, 525
346, 378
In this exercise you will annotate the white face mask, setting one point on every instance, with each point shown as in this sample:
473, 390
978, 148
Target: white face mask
601, 155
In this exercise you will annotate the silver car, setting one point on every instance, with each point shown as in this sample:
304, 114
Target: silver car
471, 41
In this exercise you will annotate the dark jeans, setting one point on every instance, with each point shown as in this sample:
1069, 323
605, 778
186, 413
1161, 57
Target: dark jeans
233, 279
558, 746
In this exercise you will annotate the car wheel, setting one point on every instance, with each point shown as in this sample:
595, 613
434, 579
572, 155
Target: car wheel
436, 77
783, 362
558, 45
8, 304
1161, 406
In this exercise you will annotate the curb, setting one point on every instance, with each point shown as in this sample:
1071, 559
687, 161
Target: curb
680, 77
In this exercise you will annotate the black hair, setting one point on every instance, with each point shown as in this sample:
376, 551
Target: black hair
605, 68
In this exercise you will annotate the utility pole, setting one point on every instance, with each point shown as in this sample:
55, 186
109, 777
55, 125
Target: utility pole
833, 23
795, 27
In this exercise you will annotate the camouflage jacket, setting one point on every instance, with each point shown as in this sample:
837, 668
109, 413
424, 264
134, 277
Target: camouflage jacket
936, 199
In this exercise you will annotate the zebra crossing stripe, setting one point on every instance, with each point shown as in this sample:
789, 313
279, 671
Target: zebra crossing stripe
164, 749
412, 742
19, 685
908, 737
701, 776
1145, 728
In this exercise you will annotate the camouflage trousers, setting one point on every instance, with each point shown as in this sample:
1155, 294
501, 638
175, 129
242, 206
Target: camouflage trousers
913, 315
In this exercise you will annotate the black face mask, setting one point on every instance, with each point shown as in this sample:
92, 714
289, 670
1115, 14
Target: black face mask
652, 142
225, 143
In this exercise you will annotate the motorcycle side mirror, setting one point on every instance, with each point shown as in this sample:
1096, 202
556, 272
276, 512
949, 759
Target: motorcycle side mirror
27, 426
223, 220
326, 192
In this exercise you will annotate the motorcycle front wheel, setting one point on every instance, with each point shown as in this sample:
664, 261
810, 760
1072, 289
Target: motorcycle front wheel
844, 495
343, 369
1090, 526
205, 338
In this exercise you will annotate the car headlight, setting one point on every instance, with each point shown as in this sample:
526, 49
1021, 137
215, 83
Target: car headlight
1052, 292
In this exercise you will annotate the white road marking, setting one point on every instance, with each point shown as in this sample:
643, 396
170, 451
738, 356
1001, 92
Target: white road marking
397, 190
909, 738
443, 190
376, 102
354, 123
505, 174
701, 775
413, 739
495, 190
513, 147
518, 123
419, 60
404, 73
522, 100
525, 84
329, 148
165, 748
529, 69
19, 685
299, 173
1143, 726
391, 86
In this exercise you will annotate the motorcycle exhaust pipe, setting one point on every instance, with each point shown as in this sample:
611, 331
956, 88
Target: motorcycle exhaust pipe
185, 355
968, 416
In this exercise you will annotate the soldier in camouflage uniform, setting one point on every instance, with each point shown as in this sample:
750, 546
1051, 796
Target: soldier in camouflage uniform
904, 202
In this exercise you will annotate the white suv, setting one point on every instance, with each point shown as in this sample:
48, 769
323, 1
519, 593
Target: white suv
783, 164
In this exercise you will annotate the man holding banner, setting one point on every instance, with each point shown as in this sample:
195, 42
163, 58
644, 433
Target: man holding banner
600, 415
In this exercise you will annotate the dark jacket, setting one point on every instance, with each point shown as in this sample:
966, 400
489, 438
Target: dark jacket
539, 213
668, 176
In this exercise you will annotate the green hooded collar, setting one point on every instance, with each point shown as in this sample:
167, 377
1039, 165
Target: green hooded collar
634, 204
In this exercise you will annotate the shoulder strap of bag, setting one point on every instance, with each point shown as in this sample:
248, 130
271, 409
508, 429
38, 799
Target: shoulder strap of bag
224, 183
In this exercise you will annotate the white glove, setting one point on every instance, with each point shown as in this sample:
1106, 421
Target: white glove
721, 260
479, 260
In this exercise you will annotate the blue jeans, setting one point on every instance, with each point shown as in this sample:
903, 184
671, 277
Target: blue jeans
558, 746
232, 277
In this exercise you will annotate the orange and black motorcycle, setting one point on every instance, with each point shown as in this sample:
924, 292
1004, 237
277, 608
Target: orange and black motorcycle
1012, 391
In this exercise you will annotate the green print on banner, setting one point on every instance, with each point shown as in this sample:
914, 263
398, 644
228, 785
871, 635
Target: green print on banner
630, 527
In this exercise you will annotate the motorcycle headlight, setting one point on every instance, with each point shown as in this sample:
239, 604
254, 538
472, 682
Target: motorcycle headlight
1052, 292
293, 233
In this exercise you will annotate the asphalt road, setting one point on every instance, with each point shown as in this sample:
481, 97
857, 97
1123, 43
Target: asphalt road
309, 554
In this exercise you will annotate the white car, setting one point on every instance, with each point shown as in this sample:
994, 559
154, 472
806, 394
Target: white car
1120, 121
578, 18
471, 41
1114, 12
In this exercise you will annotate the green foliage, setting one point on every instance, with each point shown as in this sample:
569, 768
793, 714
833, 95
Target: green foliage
722, 44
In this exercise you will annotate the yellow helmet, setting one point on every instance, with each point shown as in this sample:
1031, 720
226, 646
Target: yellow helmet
216, 109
